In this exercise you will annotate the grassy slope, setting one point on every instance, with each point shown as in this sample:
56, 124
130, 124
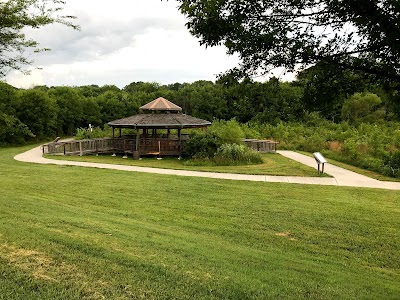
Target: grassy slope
274, 164
69, 232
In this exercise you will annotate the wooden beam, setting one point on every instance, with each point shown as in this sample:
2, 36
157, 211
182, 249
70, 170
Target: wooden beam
180, 142
137, 140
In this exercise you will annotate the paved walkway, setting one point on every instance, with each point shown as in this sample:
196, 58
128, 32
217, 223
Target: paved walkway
341, 176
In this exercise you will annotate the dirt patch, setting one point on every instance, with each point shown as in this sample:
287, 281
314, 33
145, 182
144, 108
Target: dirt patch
42, 267
335, 146
286, 234
28, 260
282, 234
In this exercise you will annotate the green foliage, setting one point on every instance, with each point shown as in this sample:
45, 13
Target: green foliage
111, 106
363, 108
70, 109
221, 145
91, 112
228, 132
355, 35
94, 133
202, 145
38, 112
325, 88
234, 154
18, 15
12, 130
391, 164
366, 145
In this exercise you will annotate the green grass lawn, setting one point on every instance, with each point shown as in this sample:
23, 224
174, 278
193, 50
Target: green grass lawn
83, 233
274, 164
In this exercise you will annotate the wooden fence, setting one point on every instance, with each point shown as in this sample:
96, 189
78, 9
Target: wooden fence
81, 147
261, 145
146, 146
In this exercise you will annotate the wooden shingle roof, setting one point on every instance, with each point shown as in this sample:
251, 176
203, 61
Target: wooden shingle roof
161, 113
160, 120
161, 104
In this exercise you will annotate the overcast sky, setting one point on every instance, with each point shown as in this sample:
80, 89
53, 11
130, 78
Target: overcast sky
120, 42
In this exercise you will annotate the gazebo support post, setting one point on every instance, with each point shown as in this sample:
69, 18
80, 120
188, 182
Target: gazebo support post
113, 141
180, 143
120, 132
136, 153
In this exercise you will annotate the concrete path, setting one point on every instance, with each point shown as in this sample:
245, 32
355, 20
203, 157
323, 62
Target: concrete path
342, 177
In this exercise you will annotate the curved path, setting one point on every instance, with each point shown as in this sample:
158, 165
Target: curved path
341, 176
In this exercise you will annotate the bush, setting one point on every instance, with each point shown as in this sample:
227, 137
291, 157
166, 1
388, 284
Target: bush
96, 133
228, 132
391, 165
232, 154
202, 145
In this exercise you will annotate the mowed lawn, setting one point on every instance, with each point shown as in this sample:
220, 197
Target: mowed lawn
82, 233
273, 164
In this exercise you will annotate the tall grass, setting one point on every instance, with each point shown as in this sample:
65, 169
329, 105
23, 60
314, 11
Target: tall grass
369, 146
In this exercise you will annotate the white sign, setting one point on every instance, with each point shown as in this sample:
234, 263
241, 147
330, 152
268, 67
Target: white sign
319, 158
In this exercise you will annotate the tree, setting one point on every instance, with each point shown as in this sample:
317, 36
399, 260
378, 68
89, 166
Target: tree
111, 106
37, 111
363, 108
16, 15
326, 88
359, 35
12, 130
70, 109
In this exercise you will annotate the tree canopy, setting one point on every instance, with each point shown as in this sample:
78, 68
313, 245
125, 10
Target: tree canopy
16, 15
362, 35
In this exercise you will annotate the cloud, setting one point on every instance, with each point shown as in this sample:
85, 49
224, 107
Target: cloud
131, 40
99, 35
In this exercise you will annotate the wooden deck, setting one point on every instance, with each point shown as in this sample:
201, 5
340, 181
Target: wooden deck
160, 146
146, 146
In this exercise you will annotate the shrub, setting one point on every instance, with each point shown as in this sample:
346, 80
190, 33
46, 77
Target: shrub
202, 145
363, 108
231, 154
97, 132
228, 132
391, 165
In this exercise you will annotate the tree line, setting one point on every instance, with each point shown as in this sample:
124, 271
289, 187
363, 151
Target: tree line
45, 112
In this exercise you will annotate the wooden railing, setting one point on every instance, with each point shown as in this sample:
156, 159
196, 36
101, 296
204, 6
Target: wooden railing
80, 147
161, 146
261, 145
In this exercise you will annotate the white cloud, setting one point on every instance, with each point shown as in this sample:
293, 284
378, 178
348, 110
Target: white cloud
131, 40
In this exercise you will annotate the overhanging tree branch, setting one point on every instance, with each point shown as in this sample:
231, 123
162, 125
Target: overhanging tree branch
273, 33
15, 15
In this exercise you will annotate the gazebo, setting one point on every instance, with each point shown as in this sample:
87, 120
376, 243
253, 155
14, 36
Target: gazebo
152, 130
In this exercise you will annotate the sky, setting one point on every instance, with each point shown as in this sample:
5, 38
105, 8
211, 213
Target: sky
121, 42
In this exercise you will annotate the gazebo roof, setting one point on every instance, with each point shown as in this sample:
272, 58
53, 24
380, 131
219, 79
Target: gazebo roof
161, 104
160, 121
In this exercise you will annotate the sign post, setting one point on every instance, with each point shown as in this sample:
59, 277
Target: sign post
320, 161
